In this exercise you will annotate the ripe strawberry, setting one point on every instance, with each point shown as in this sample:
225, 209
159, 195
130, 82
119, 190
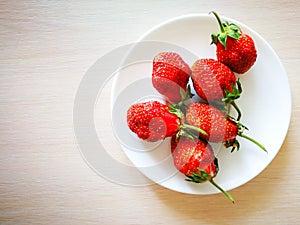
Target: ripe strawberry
152, 121
214, 81
218, 126
195, 159
211, 78
234, 48
190, 155
170, 74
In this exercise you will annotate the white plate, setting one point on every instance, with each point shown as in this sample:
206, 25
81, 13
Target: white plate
265, 103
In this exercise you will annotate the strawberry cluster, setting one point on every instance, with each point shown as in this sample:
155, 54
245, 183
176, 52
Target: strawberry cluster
192, 125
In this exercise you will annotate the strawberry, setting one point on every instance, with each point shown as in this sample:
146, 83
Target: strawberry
234, 48
170, 75
214, 81
211, 78
190, 155
195, 159
217, 125
152, 121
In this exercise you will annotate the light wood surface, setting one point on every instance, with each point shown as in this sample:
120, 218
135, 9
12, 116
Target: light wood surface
46, 48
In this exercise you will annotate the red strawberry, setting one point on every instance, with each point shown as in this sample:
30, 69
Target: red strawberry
234, 48
195, 159
214, 81
152, 121
191, 155
211, 78
170, 74
213, 121
218, 126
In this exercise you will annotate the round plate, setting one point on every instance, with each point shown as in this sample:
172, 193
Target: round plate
265, 103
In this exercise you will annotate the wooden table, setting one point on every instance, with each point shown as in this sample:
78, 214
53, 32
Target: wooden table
46, 48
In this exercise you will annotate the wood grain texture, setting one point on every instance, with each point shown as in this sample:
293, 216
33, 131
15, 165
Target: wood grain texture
46, 48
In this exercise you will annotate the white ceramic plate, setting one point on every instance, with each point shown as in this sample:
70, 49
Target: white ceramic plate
265, 103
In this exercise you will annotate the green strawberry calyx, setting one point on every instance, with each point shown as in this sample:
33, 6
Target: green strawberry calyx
231, 96
226, 29
186, 97
184, 128
235, 94
202, 176
179, 109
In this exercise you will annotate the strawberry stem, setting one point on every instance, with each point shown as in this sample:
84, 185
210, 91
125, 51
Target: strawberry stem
237, 110
219, 21
203, 176
226, 29
194, 128
223, 191
254, 141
